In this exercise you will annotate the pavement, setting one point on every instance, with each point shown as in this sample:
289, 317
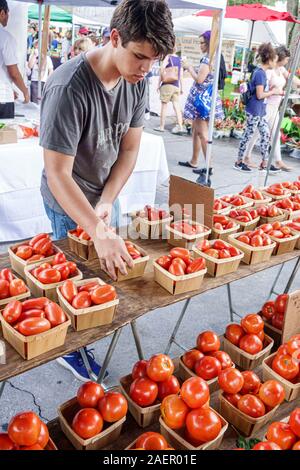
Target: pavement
45, 388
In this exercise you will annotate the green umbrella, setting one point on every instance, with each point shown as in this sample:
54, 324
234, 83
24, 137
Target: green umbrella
56, 14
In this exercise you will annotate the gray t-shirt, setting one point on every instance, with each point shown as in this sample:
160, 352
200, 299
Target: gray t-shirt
79, 117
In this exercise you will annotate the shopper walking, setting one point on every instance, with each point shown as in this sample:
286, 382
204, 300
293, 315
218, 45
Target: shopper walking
46, 70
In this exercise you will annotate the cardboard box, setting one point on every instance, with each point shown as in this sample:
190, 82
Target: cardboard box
8, 136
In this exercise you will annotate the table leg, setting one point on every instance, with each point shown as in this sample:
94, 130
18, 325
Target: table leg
231, 309
2, 385
292, 276
272, 291
109, 354
137, 340
173, 335
92, 376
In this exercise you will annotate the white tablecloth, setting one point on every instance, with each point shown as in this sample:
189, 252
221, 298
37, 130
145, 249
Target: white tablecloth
22, 213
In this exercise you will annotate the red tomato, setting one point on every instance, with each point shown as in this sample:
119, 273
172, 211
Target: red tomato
164, 262
180, 261
223, 357
212, 253
69, 290
261, 336
268, 309
233, 398
40, 303
244, 239
139, 369
151, 441
277, 321
34, 312
282, 435
4, 289
87, 423
208, 341
143, 391
82, 300
63, 269
231, 380
6, 443
41, 247
44, 436
234, 251
296, 446
220, 245
267, 445
17, 287
168, 387
113, 407
176, 269
6, 275
294, 421
38, 237
271, 393
293, 345
12, 312
55, 314
182, 253
251, 344
203, 424
174, 411
89, 287
280, 303
24, 428
223, 254
133, 251
33, 326
24, 252
195, 392
203, 245
251, 406
196, 265
160, 367
190, 357
208, 368
285, 366
49, 276
34, 447
103, 294
252, 383
89, 394
234, 333
59, 258
252, 323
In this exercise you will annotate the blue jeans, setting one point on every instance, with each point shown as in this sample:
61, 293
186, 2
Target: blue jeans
62, 223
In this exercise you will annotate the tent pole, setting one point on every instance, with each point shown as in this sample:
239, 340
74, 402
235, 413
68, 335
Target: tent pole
40, 48
295, 64
214, 95
249, 46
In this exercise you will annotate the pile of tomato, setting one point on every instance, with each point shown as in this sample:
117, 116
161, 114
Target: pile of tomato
56, 270
278, 189
243, 215
97, 408
276, 230
273, 310
221, 222
10, 286
245, 391
39, 247
282, 436
80, 233
294, 225
249, 335
252, 193
87, 295
256, 238
188, 228
180, 262
151, 441
153, 214
207, 360
235, 200
218, 249
288, 204
219, 205
25, 432
269, 211
287, 359
33, 316
133, 250
153, 380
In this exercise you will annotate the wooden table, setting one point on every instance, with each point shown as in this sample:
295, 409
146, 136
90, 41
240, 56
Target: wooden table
137, 297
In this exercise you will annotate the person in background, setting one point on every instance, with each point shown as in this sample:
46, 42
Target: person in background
256, 110
33, 65
105, 36
82, 45
66, 47
170, 92
83, 32
32, 35
95, 40
55, 41
9, 71
203, 79
277, 77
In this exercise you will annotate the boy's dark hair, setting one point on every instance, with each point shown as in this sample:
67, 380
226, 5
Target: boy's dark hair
145, 20
3, 6
266, 53
282, 53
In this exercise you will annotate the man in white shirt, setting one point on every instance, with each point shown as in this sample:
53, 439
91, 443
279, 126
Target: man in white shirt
9, 72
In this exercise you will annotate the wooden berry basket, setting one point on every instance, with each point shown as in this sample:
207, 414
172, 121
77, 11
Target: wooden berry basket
258, 202
91, 317
50, 445
32, 346
176, 238
152, 229
139, 266
224, 211
7, 300
178, 284
246, 226
274, 197
85, 249
295, 232
253, 255
19, 264
217, 234
248, 203
244, 360
284, 245
220, 267
291, 215
144, 416
38, 289
246, 425
292, 391
271, 220
109, 434
176, 437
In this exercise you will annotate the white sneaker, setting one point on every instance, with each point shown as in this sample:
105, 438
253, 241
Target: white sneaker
179, 130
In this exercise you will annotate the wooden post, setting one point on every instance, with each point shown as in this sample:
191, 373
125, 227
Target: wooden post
44, 49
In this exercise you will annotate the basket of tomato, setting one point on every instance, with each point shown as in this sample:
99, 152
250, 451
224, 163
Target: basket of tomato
273, 313
294, 225
151, 222
81, 244
223, 227
245, 402
185, 233
290, 206
150, 441
256, 245
277, 191
31, 251
89, 302
11, 288
34, 326
255, 196
247, 344
180, 271
284, 367
93, 419
236, 201
282, 435
44, 277
271, 213
221, 257
220, 207
139, 259
246, 218
282, 235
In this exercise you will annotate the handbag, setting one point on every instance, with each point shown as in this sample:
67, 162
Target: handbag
202, 102
170, 74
